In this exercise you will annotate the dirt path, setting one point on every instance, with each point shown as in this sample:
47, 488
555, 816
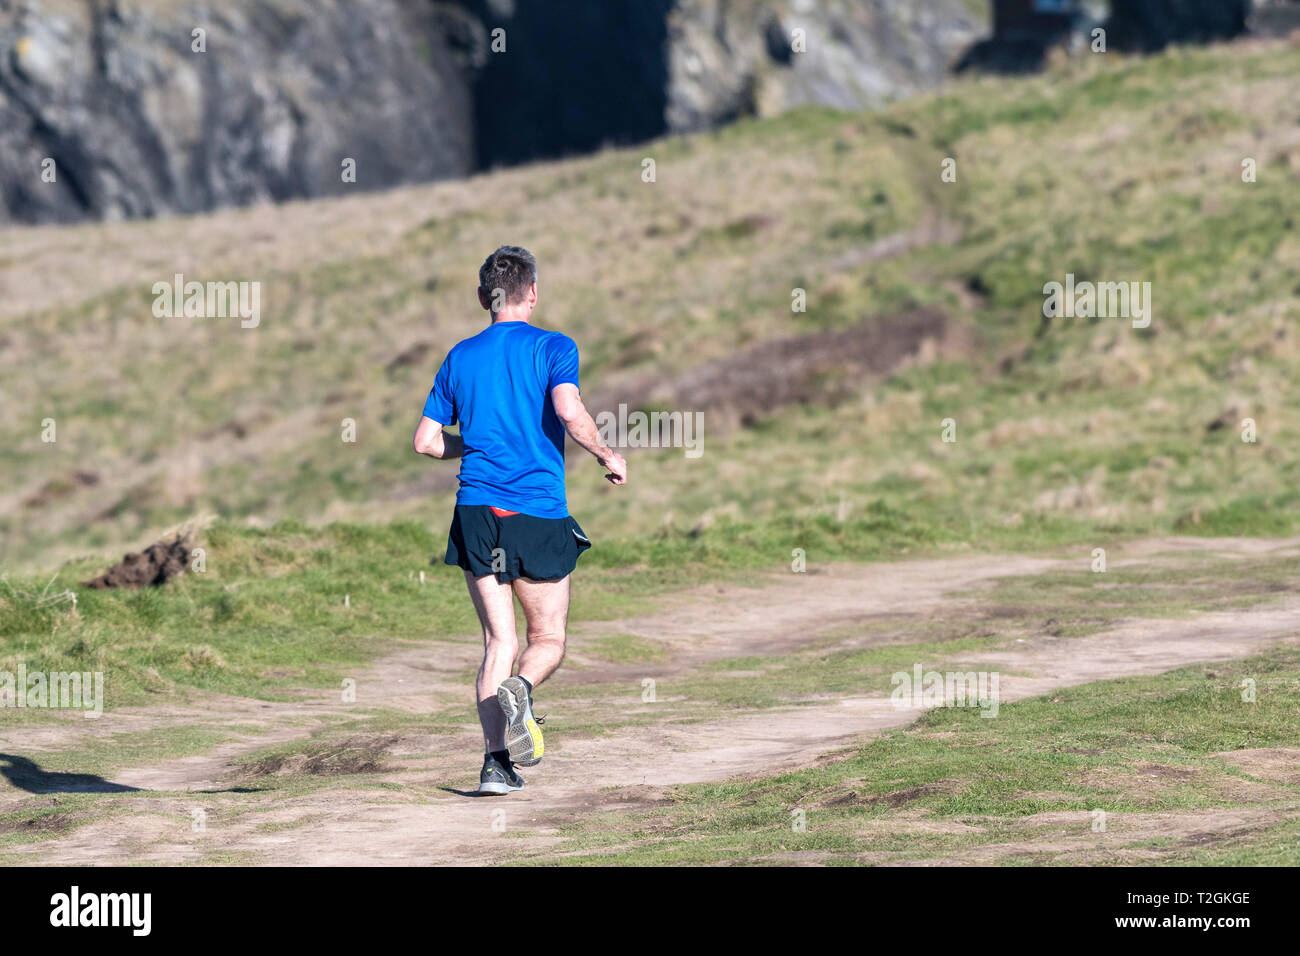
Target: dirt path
423, 819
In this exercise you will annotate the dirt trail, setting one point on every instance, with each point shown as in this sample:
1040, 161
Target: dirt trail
426, 820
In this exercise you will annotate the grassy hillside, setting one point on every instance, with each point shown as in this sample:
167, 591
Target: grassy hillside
1108, 168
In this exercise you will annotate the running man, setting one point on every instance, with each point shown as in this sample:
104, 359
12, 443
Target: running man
513, 388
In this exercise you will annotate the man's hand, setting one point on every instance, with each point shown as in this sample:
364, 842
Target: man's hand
616, 465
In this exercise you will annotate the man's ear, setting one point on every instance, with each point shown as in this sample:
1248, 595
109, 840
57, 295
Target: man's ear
532, 295
484, 299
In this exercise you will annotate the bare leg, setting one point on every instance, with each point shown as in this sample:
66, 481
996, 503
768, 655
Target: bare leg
546, 607
496, 612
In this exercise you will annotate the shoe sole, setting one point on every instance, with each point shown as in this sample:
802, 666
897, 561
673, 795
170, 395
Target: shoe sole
523, 736
496, 789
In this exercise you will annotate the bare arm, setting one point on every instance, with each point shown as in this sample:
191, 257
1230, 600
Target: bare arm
431, 440
582, 429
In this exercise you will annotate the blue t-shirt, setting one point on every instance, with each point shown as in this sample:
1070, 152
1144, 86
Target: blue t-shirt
497, 385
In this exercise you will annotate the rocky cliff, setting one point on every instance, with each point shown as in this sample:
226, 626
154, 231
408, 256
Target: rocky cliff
119, 108
734, 58
143, 116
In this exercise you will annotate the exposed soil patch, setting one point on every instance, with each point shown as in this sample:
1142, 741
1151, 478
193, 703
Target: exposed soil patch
50, 823
1164, 773
817, 368
894, 799
58, 488
1067, 837
233, 428
361, 754
152, 567
408, 357
1275, 764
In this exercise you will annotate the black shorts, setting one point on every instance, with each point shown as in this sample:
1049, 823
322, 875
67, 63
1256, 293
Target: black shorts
514, 546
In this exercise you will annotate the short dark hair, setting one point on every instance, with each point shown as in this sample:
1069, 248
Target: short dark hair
512, 269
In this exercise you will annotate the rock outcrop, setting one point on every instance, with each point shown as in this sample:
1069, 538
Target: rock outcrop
130, 108
141, 116
728, 59
119, 108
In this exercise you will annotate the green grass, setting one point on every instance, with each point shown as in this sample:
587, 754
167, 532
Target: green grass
265, 616
1086, 748
625, 649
